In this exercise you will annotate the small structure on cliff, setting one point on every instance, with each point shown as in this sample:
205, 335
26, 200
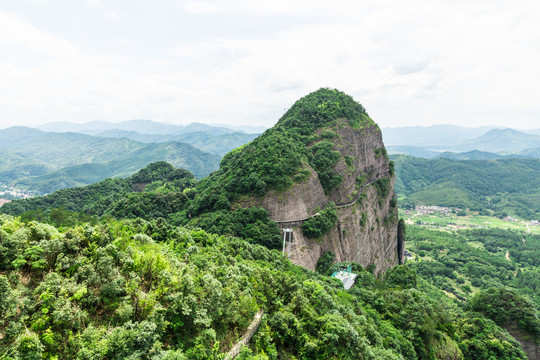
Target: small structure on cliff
346, 276
287, 240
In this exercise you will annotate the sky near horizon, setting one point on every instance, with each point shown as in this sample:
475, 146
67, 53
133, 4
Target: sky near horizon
240, 62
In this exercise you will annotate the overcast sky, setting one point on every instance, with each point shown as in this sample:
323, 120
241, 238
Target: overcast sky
416, 62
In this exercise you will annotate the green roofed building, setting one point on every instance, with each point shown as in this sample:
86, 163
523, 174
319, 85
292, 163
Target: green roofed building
346, 276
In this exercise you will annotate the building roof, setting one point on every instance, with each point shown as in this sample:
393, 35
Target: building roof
346, 277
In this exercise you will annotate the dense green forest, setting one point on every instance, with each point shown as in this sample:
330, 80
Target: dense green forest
493, 271
147, 290
500, 187
155, 191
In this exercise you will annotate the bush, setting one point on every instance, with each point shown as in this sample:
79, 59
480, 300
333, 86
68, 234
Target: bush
321, 224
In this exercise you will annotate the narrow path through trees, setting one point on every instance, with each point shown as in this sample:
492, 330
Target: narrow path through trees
252, 328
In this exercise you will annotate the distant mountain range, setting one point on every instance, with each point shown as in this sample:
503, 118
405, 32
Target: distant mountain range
215, 144
431, 135
146, 127
459, 142
69, 154
48, 161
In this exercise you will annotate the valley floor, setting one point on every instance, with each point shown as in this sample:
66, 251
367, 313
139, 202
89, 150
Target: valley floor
451, 221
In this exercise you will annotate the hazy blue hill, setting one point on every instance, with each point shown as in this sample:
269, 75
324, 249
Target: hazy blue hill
411, 150
145, 126
140, 126
502, 140
421, 152
443, 140
198, 127
533, 131
244, 128
431, 135
479, 155
501, 186
534, 152
16, 165
215, 144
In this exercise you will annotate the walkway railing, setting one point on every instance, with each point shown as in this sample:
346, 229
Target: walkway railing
298, 222
252, 328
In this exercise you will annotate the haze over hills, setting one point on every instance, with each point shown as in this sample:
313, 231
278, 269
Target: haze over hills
431, 143
215, 144
501, 141
476, 155
141, 126
431, 135
45, 162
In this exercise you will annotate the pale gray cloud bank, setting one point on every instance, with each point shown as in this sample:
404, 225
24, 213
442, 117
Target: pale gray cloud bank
244, 62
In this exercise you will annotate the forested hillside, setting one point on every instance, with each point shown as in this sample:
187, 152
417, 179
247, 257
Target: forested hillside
501, 187
148, 290
155, 191
493, 271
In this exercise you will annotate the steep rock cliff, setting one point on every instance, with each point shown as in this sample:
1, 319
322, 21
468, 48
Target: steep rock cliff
343, 162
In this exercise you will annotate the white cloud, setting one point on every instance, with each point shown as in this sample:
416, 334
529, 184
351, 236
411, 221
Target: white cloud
408, 63
201, 7
94, 3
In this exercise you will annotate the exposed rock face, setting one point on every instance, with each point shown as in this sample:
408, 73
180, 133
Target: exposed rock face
532, 350
366, 230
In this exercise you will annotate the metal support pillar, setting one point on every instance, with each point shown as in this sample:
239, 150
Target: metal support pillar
287, 237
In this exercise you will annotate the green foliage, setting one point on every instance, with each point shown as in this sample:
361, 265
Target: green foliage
149, 290
325, 262
380, 152
323, 159
482, 339
479, 256
401, 276
383, 187
251, 224
510, 186
321, 108
321, 224
160, 170
506, 306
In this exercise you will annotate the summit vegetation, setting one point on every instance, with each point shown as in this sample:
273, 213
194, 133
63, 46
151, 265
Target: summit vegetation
282, 155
